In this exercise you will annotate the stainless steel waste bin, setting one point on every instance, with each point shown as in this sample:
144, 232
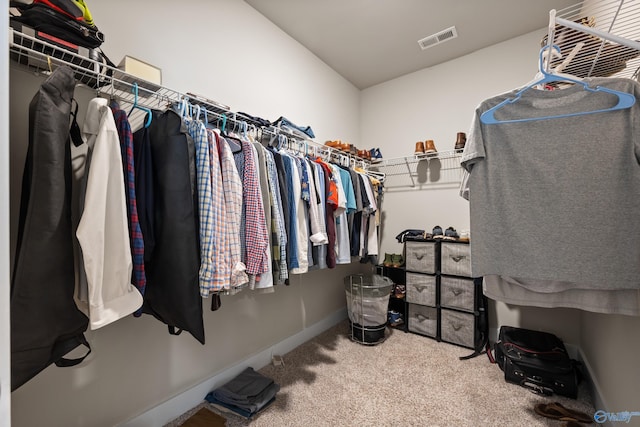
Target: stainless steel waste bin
367, 304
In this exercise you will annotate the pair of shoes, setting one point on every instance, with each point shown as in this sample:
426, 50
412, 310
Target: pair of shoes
375, 155
437, 232
399, 290
556, 411
395, 318
393, 260
427, 147
364, 154
451, 234
461, 140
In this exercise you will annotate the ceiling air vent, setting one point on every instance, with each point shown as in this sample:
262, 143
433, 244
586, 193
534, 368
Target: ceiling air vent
437, 38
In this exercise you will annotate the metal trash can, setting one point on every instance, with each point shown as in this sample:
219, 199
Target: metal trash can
367, 305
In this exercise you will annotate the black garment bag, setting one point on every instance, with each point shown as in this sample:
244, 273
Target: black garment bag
173, 293
45, 322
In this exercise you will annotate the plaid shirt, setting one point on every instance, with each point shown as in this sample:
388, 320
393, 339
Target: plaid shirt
135, 233
257, 239
198, 133
279, 239
232, 186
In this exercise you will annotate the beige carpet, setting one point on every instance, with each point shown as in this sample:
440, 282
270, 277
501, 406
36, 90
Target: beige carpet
408, 380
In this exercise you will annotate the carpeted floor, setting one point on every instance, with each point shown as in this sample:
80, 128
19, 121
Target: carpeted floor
408, 380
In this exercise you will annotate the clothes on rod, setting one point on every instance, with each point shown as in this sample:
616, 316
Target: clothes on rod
548, 197
173, 291
45, 322
129, 172
103, 230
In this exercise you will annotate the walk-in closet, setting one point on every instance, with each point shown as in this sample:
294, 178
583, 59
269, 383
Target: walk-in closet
206, 202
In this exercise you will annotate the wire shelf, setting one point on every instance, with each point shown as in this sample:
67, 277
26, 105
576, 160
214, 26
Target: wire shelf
43, 56
596, 39
422, 170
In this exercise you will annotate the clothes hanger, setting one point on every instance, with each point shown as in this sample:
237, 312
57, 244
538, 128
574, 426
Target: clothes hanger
625, 100
140, 107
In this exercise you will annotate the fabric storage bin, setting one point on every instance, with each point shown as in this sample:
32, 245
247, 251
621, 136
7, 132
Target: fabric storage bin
420, 257
421, 289
423, 320
456, 259
457, 328
457, 293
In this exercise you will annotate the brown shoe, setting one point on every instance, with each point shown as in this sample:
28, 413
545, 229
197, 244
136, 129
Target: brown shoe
419, 148
332, 144
430, 147
461, 140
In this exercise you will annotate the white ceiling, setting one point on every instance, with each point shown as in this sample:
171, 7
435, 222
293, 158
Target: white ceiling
372, 41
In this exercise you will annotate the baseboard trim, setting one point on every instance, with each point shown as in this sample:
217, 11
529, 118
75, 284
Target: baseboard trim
174, 407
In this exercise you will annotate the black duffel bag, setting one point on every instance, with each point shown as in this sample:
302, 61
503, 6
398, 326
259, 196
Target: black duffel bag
536, 360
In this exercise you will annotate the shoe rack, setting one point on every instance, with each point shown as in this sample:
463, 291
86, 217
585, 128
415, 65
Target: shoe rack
439, 169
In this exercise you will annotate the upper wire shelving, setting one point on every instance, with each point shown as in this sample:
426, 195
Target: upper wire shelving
91, 69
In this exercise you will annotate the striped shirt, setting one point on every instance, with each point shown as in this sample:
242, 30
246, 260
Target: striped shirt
232, 186
198, 133
279, 240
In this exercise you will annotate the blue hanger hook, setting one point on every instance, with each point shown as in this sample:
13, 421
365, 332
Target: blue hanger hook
625, 100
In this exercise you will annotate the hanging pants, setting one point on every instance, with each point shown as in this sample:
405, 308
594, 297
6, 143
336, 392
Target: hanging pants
45, 322
173, 292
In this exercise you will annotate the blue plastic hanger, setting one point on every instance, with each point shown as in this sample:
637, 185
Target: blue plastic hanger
134, 89
625, 100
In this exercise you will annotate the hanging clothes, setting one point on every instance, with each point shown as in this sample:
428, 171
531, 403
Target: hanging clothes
143, 167
255, 229
266, 279
232, 187
331, 197
45, 322
278, 232
342, 223
103, 230
528, 180
173, 292
128, 169
319, 252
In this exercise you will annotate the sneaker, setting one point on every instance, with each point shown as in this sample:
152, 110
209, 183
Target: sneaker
437, 232
464, 236
419, 147
395, 318
451, 234
399, 290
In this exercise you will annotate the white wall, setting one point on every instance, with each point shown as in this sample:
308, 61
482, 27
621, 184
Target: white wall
226, 51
